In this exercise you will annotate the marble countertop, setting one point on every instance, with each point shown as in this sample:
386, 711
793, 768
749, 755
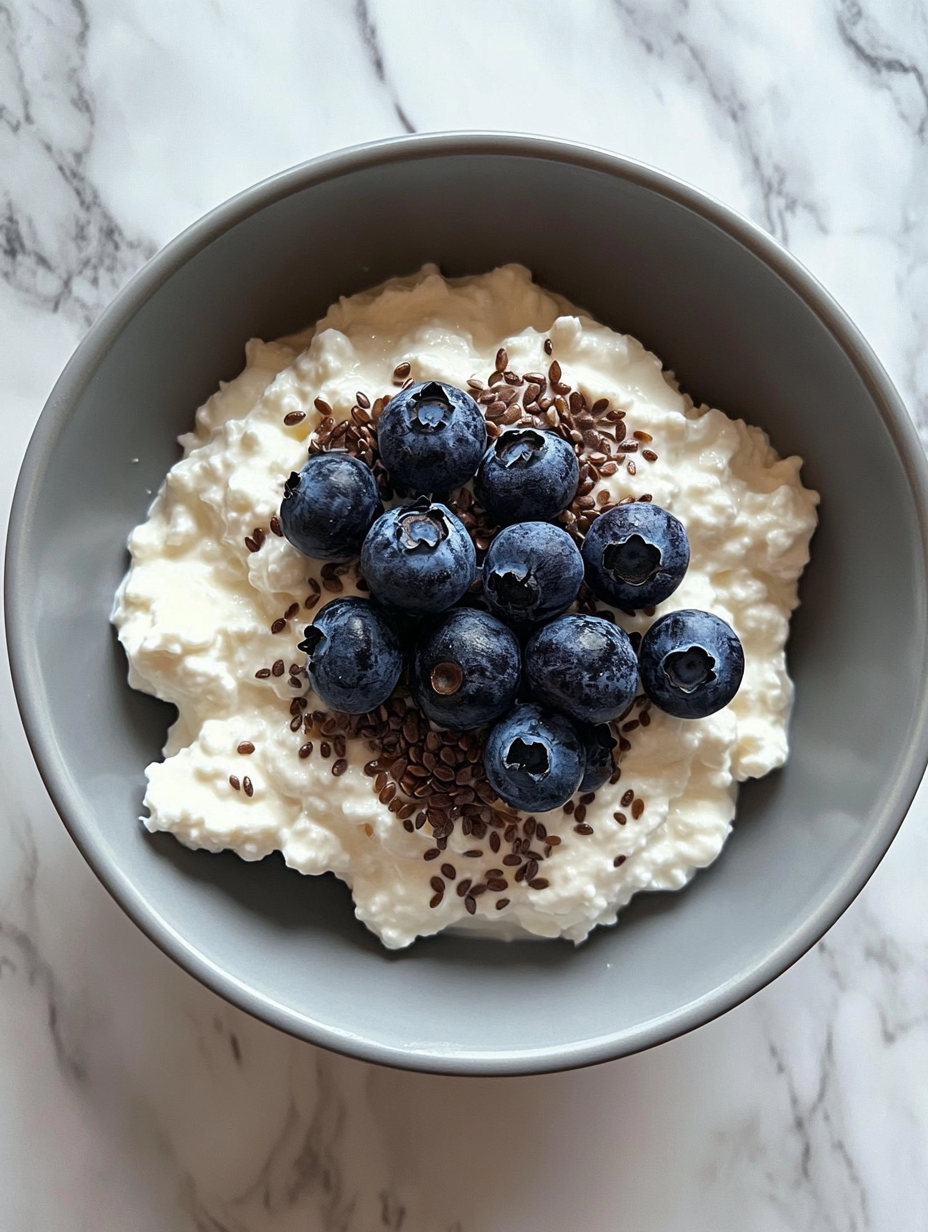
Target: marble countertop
132, 1099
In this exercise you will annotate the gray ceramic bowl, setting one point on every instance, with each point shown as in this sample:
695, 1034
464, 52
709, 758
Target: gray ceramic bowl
745, 328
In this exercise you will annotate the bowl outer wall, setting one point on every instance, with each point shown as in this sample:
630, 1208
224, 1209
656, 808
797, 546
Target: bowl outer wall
481, 1007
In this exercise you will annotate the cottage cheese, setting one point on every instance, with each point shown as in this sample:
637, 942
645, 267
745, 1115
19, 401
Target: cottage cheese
195, 611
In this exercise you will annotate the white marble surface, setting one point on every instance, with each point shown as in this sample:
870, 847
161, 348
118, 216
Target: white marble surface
131, 1099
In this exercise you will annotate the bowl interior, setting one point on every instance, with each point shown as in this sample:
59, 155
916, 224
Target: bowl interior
646, 259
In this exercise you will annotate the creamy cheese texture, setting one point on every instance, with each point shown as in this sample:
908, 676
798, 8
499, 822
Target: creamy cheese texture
196, 609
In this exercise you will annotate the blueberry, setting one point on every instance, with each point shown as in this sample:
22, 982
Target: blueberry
534, 759
532, 572
691, 663
329, 506
353, 656
418, 558
467, 669
527, 475
431, 437
583, 665
635, 555
598, 743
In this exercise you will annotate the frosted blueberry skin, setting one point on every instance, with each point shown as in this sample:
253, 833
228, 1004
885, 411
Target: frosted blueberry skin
584, 666
466, 669
527, 475
353, 656
598, 744
418, 558
431, 437
534, 759
532, 572
691, 663
635, 555
329, 506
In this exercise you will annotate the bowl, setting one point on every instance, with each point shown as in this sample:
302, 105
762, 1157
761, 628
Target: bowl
745, 328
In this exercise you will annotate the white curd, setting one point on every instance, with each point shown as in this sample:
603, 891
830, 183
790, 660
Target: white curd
195, 611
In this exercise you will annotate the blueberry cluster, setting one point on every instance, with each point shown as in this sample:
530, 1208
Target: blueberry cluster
546, 682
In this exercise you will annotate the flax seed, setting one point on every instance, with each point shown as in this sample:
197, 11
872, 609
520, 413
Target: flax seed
262, 673
637, 808
618, 861
278, 668
248, 786
306, 749
234, 782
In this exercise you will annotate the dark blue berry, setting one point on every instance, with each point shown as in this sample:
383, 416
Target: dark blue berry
353, 656
583, 665
431, 437
418, 558
329, 506
534, 759
691, 663
527, 475
532, 572
635, 555
467, 669
598, 743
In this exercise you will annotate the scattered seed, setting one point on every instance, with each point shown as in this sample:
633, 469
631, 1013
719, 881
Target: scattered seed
325, 749
502, 360
539, 883
401, 372
632, 468
627, 798
637, 808
569, 807
248, 786
549, 346
583, 828
470, 904
449, 871
306, 749
279, 625
275, 525
234, 782
339, 767
649, 455
501, 903
262, 673
278, 668
294, 417
618, 861
432, 854
620, 818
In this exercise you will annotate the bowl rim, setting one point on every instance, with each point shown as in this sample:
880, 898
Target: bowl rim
24, 663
